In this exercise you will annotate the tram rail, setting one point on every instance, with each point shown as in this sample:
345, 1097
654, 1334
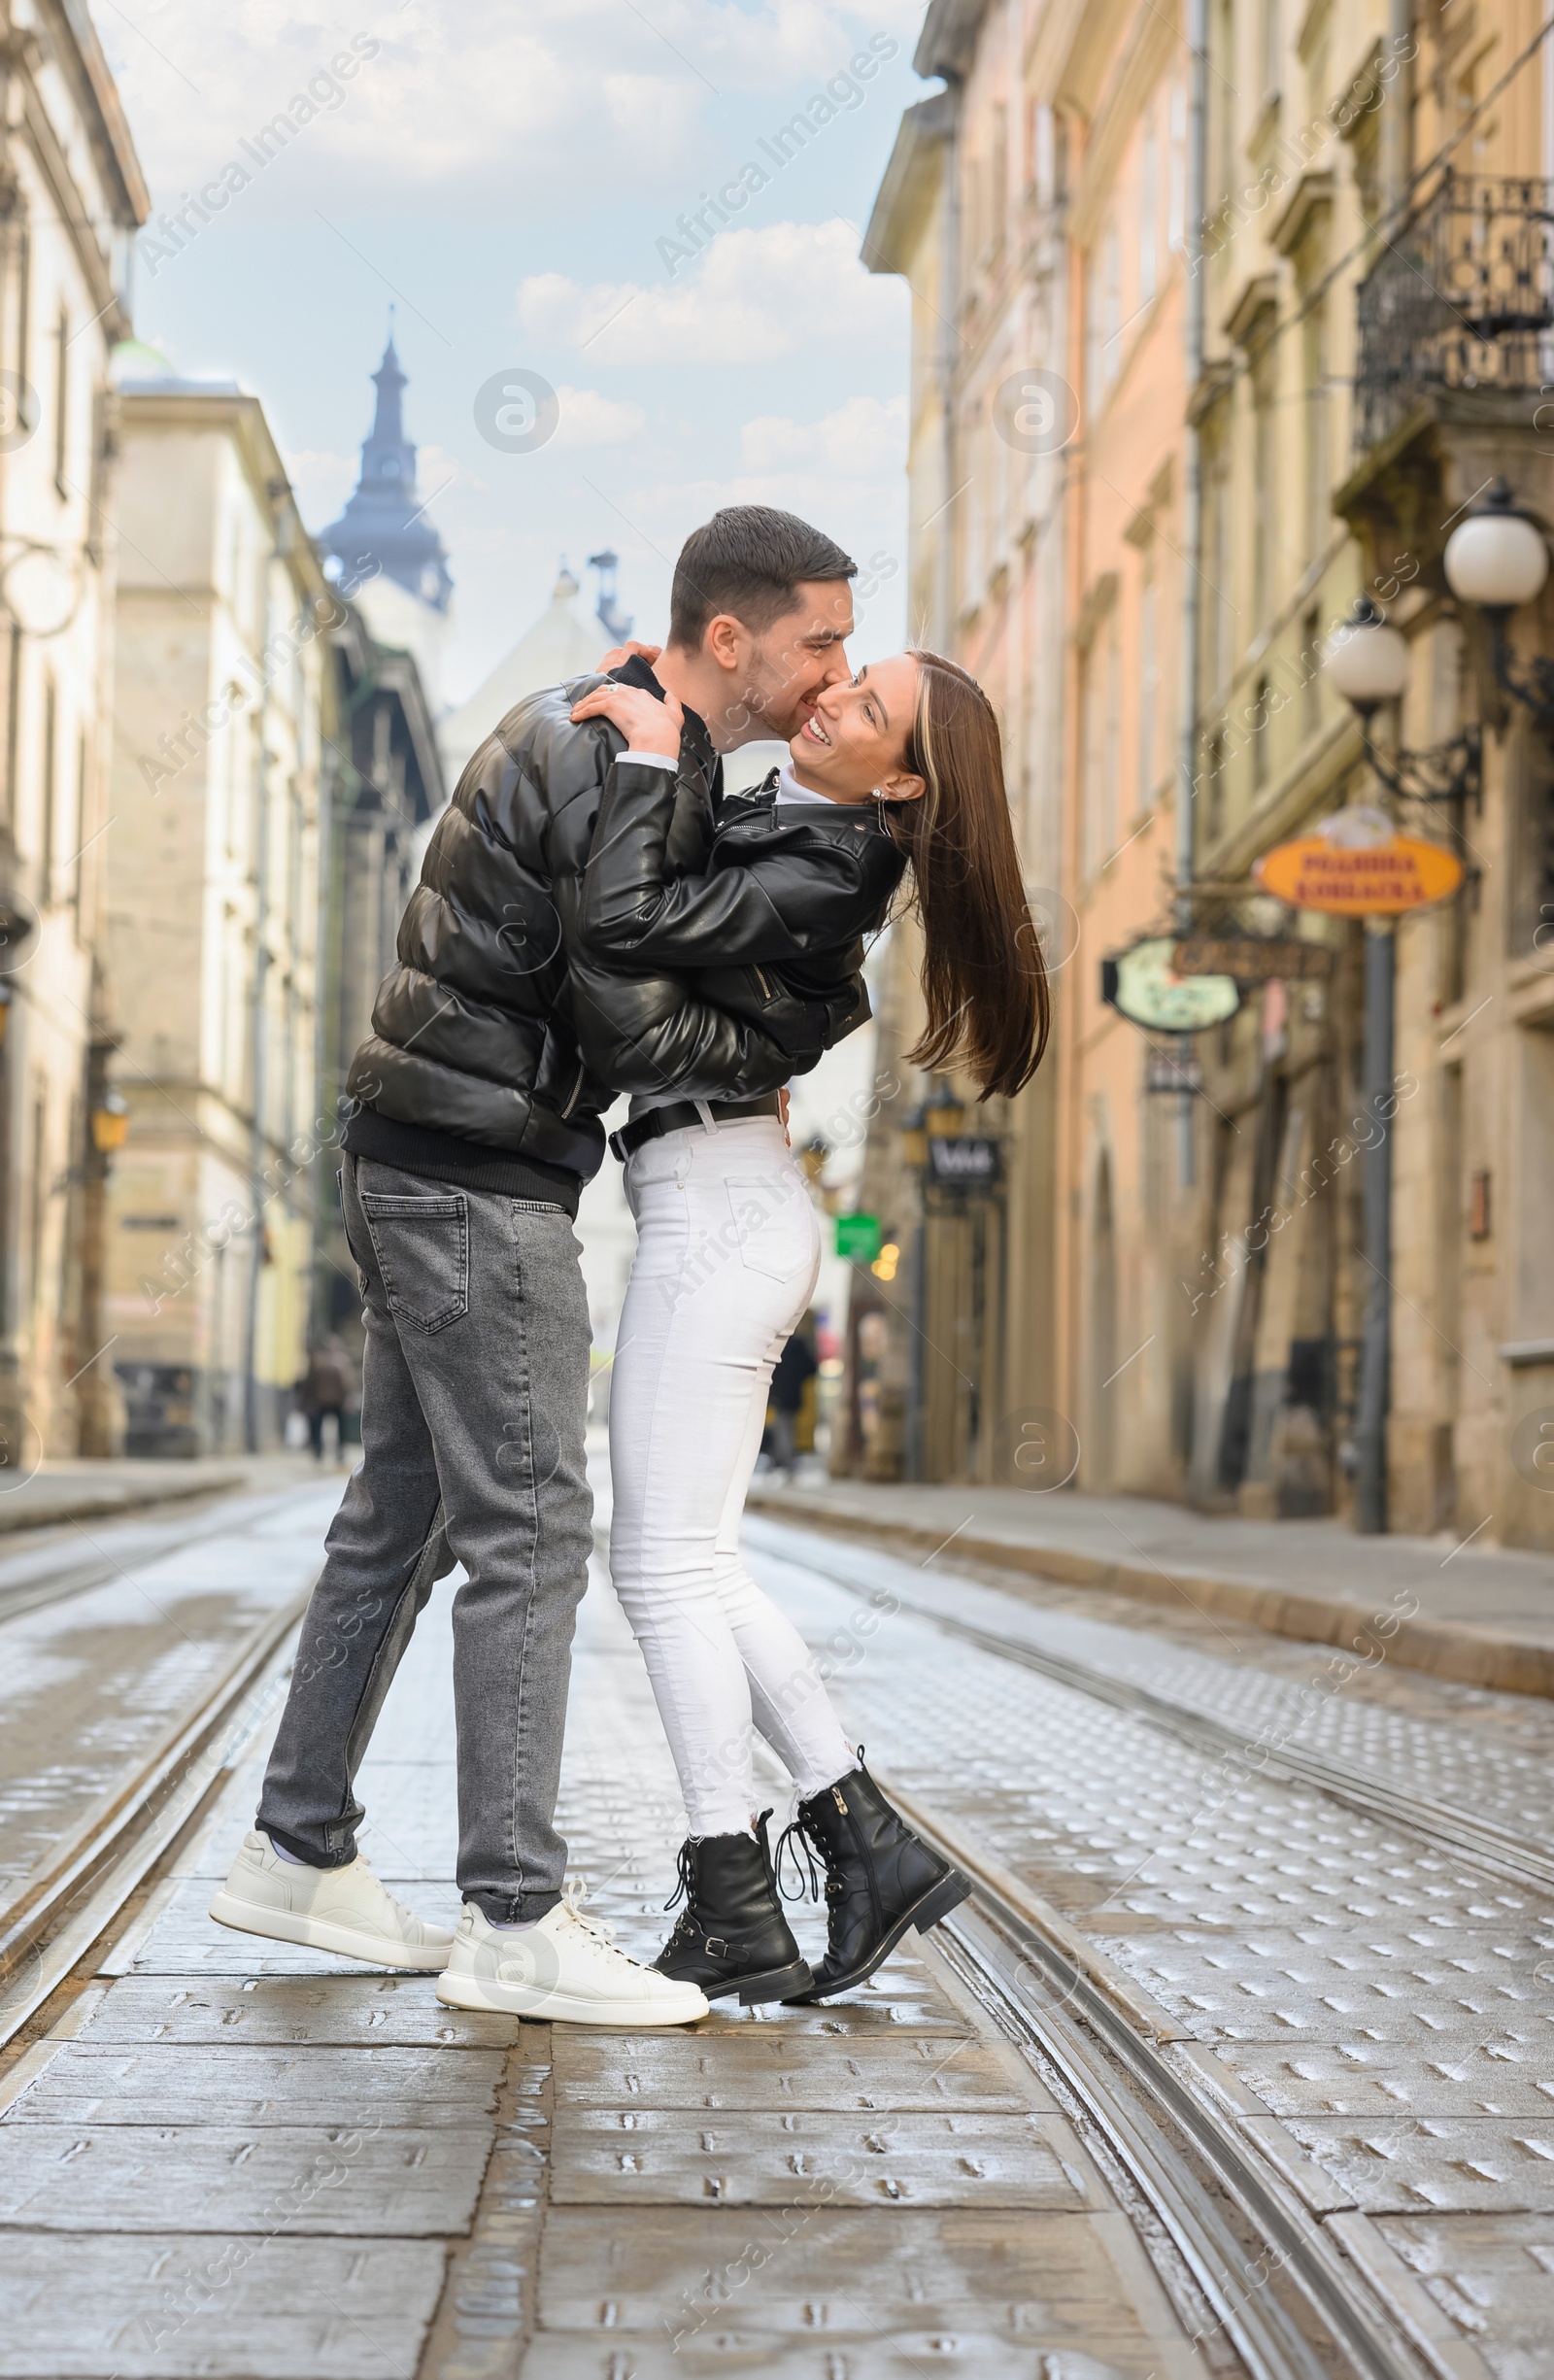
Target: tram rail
71, 1899
1471, 1835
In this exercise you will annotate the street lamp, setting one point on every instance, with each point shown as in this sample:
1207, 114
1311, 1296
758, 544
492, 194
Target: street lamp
1498, 558
1367, 662
110, 1123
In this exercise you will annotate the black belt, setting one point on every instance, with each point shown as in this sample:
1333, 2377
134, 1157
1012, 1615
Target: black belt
682, 1113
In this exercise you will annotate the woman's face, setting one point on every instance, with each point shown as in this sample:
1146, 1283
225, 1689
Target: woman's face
854, 746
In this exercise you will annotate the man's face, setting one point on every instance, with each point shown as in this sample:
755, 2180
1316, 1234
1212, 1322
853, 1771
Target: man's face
787, 665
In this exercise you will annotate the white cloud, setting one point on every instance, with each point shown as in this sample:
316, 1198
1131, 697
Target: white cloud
591, 419
481, 99
860, 439
788, 289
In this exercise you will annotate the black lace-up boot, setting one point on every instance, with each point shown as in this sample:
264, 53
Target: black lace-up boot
880, 1879
732, 1934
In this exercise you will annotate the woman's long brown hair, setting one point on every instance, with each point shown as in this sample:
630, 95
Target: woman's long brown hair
984, 984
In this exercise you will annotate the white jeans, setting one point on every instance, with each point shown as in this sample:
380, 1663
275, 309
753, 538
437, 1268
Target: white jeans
727, 1252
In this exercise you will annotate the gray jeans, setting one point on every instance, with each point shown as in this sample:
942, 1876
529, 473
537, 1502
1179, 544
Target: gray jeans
473, 1404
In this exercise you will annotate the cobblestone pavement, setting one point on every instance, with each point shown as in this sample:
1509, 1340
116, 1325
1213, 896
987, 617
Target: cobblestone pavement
231, 2158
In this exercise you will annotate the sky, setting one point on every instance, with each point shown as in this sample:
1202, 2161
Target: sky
511, 179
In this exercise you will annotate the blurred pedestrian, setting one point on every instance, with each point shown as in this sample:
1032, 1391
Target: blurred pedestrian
328, 1386
791, 1375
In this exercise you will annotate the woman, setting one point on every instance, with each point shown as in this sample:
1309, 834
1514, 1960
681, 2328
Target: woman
900, 769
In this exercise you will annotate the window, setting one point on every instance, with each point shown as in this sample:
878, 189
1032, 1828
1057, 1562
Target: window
50, 823
1148, 214
61, 402
1044, 159
78, 831
1225, 94
37, 1219
1103, 309
1311, 666
1214, 824
1272, 56
1315, 334
1262, 697
1148, 692
1264, 526
1111, 790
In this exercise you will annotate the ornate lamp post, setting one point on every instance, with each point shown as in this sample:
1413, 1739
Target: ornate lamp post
1368, 664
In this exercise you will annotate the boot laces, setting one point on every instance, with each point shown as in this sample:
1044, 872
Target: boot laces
802, 1845
802, 1838
685, 1890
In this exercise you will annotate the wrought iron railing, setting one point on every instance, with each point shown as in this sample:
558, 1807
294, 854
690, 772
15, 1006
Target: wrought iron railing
1461, 298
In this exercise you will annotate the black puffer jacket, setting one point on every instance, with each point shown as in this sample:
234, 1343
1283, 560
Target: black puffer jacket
788, 891
476, 1032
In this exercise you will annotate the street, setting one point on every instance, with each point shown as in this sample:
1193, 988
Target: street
1220, 2070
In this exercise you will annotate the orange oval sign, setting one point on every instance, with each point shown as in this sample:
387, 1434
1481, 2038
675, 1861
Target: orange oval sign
1379, 880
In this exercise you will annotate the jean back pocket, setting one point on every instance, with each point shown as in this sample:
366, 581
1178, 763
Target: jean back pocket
423, 1250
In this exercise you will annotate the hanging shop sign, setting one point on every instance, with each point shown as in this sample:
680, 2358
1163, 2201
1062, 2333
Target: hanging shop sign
1384, 878
859, 1238
1253, 958
962, 1161
1144, 986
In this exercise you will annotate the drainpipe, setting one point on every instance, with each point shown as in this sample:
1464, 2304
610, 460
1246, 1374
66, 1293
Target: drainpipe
1191, 498
259, 1091
948, 340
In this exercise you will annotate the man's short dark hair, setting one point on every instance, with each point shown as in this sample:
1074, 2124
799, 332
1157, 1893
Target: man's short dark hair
752, 562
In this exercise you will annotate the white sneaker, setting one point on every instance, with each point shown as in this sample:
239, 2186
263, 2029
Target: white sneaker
565, 1968
345, 1910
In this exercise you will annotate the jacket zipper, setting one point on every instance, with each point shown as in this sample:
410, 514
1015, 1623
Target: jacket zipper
859, 1845
764, 983
576, 1090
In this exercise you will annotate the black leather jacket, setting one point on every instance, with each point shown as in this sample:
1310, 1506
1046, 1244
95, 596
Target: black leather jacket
498, 1026
787, 894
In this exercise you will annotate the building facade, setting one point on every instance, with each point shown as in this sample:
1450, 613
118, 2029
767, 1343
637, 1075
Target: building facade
1297, 282
228, 733
71, 196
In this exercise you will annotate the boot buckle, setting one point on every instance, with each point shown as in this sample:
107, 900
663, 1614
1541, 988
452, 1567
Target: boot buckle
716, 1950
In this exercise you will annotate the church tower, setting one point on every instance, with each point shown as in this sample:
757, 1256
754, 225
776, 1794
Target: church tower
384, 548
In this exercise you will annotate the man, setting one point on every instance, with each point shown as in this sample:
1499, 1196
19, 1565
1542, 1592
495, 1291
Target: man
326, 1387
791, 1375
478, 1125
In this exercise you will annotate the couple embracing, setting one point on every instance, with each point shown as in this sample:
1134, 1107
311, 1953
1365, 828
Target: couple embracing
595, 916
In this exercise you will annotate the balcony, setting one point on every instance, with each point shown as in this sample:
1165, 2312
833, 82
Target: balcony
1461, 304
